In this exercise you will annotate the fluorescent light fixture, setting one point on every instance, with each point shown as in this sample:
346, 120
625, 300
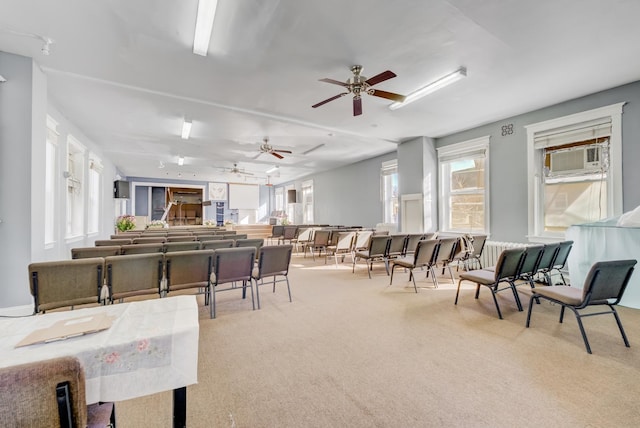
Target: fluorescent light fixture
431, 87
204, 26
180, 160
186, 130
272, 169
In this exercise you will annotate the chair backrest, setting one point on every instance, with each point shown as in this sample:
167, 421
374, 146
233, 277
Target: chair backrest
562, 255
321, 237
273, 260
531, 260
509, 262
304, 234
426, 252
362, 239
478, 244
89, 252
447, 249
169, 247
188, 269
379, 245
181, 238
548, 256
397, 245
344, 241
233, 264
111, 242
218, 243
277, 231
234, 236
66, 283
289, 232
134, 274
142, 248
412, 242
149, 240
607, 280
29, 395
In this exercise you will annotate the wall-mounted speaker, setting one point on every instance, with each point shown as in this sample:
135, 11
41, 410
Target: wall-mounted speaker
291, 196
121, 189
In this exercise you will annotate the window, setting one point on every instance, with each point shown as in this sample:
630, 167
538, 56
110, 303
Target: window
75, 199
574, 165
389, 191
464, 196
307, 202
95, 186
51, 172
291, 205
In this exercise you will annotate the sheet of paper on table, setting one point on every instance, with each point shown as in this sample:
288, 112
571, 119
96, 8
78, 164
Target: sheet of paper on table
65, 329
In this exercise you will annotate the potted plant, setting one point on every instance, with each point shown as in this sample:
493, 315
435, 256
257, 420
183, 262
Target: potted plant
125, 222
158, 224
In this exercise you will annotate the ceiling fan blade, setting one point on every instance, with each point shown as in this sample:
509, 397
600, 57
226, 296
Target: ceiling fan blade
277, 155
282, 151
385, 75
335, 82
388, 95
329, 99
357, 106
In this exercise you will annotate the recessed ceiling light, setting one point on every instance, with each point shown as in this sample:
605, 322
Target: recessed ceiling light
204, 26
186, 129
431, 87
180, 160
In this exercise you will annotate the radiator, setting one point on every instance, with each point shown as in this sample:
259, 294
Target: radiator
492, 250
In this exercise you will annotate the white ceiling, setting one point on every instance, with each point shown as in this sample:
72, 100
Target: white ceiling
123, 71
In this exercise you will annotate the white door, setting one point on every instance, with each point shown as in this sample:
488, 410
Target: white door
411, 206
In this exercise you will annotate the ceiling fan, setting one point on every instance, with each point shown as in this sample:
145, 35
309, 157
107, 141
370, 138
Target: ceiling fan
236, 170
358, 84
265, 147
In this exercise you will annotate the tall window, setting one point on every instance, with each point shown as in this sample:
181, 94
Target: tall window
74, 176
389, 191
464, 175
95, 193
51, 172
307, 202
574, 164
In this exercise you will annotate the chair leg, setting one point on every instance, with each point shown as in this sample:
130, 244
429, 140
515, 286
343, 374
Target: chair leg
530, 309
495, 300
212, 302
413, 277
584, 334
257, 293
457, 292
253, 302
516, 296
624, 336
392, 269
288, 288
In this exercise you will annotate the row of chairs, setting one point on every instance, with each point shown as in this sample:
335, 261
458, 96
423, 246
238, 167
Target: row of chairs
172, 232
166, 247
147, 239
523, 265
70, 283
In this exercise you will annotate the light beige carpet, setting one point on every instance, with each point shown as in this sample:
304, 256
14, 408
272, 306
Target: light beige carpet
355, 352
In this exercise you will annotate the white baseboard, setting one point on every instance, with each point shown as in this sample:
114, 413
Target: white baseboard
15, 311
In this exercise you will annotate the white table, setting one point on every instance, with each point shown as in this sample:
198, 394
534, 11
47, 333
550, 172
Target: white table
151, 347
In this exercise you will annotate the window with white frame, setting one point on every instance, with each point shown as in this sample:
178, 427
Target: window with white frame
574, 165
307, 202
95, 194
389, 191
51, 173
291, 205
75, 198
464, 186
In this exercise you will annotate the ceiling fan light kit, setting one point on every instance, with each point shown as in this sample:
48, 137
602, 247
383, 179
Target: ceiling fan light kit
265, 147
358, 85
431, 87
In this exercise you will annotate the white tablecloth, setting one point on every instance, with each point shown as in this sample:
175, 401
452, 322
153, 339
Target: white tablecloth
604, 241
152, 346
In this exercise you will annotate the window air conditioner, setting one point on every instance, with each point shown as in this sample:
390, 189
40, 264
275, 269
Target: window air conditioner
577, 160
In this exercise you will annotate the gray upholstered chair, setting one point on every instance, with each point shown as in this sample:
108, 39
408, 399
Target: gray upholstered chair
144, 239
562, 255
133, 275
189, 269
49, 393
320, 243
273, 262
604, 286
343, 246
256, 243
89, 252
447, 250
397, 246
412, 243
376, 252
181, 238
112, 242
424, 256
276, 233
231, 265
506, 270
65, 283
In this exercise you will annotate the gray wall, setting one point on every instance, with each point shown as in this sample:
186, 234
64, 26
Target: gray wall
508, 157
